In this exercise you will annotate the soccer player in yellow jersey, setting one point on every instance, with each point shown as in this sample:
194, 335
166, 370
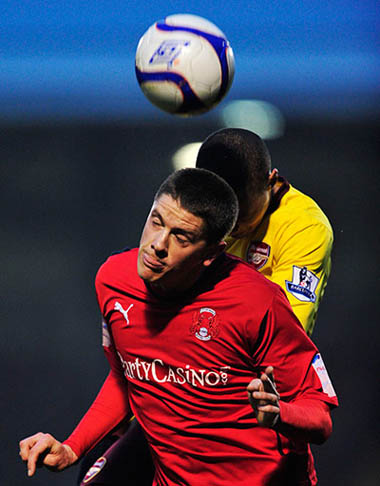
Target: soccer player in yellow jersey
282, 232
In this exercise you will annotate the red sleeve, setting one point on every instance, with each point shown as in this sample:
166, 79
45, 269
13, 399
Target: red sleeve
305, 420
111, 405
307, 395
109, 408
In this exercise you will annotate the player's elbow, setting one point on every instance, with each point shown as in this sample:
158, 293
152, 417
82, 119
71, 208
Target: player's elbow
323, 431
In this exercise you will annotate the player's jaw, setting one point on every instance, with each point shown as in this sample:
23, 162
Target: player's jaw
251, 215
169, 276
151, 263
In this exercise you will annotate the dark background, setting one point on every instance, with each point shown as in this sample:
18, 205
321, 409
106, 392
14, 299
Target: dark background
72, 194
82, 152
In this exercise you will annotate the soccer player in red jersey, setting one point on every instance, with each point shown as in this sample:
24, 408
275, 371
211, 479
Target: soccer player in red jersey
194, 338
280, 231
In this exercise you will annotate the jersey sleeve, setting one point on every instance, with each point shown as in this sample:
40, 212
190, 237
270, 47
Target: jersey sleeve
298, 367
109, 408
302, 267
306, 392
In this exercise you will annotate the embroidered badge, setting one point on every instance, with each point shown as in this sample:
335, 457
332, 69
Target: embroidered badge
303, 284
320, 369
258, 254
95, 469
205, 324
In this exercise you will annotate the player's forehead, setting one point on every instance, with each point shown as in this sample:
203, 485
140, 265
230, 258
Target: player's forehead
171, 212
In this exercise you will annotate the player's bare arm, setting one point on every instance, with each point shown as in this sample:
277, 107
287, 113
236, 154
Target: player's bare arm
264, 398
44, 449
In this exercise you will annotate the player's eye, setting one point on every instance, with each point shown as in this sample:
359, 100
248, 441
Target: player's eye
155, 222
181, 239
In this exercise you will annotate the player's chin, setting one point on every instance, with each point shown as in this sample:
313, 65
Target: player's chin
149, 275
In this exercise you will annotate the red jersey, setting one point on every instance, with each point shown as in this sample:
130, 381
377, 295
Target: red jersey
188, 362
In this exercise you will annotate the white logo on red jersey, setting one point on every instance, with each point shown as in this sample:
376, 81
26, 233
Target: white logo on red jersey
258, 254
119, 308
205, 324
159, 372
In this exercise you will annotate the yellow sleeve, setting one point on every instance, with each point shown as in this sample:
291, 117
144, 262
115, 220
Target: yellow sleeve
301, 267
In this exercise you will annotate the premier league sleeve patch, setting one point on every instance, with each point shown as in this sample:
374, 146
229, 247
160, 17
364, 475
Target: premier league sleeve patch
303, 284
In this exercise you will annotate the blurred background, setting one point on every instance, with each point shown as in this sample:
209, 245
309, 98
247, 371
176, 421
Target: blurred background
82, 152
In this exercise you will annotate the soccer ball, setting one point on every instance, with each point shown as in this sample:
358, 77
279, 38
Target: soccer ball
184, 64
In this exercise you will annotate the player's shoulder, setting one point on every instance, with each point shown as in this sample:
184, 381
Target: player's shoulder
296, 202
249, 280
301, 211
118, 263
120, 257
256, 293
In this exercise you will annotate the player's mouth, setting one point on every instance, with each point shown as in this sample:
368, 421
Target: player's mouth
152, 263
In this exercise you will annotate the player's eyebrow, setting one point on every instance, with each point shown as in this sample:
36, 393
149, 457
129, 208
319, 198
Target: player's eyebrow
156, 214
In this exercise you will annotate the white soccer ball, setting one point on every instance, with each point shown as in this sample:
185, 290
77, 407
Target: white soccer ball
184, 64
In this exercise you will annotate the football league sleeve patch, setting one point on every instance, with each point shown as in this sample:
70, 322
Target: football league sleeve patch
106, 338
321, 371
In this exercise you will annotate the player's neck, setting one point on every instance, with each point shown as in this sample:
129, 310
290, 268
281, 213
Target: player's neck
163, 291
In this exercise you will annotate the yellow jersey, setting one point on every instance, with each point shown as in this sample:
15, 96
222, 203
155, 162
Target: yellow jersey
292, 247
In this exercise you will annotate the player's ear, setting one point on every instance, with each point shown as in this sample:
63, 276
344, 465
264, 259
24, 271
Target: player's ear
214, 252
273, 177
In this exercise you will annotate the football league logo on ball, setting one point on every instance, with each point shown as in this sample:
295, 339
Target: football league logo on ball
184, 64
168, 52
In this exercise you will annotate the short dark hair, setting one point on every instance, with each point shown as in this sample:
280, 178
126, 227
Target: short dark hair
206, 195
240, 157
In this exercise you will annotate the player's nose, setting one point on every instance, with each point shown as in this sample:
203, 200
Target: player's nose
160, 244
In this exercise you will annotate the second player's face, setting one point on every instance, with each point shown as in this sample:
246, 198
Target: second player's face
251, 216
172, 251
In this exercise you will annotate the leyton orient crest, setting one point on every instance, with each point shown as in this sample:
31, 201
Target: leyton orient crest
205, 324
